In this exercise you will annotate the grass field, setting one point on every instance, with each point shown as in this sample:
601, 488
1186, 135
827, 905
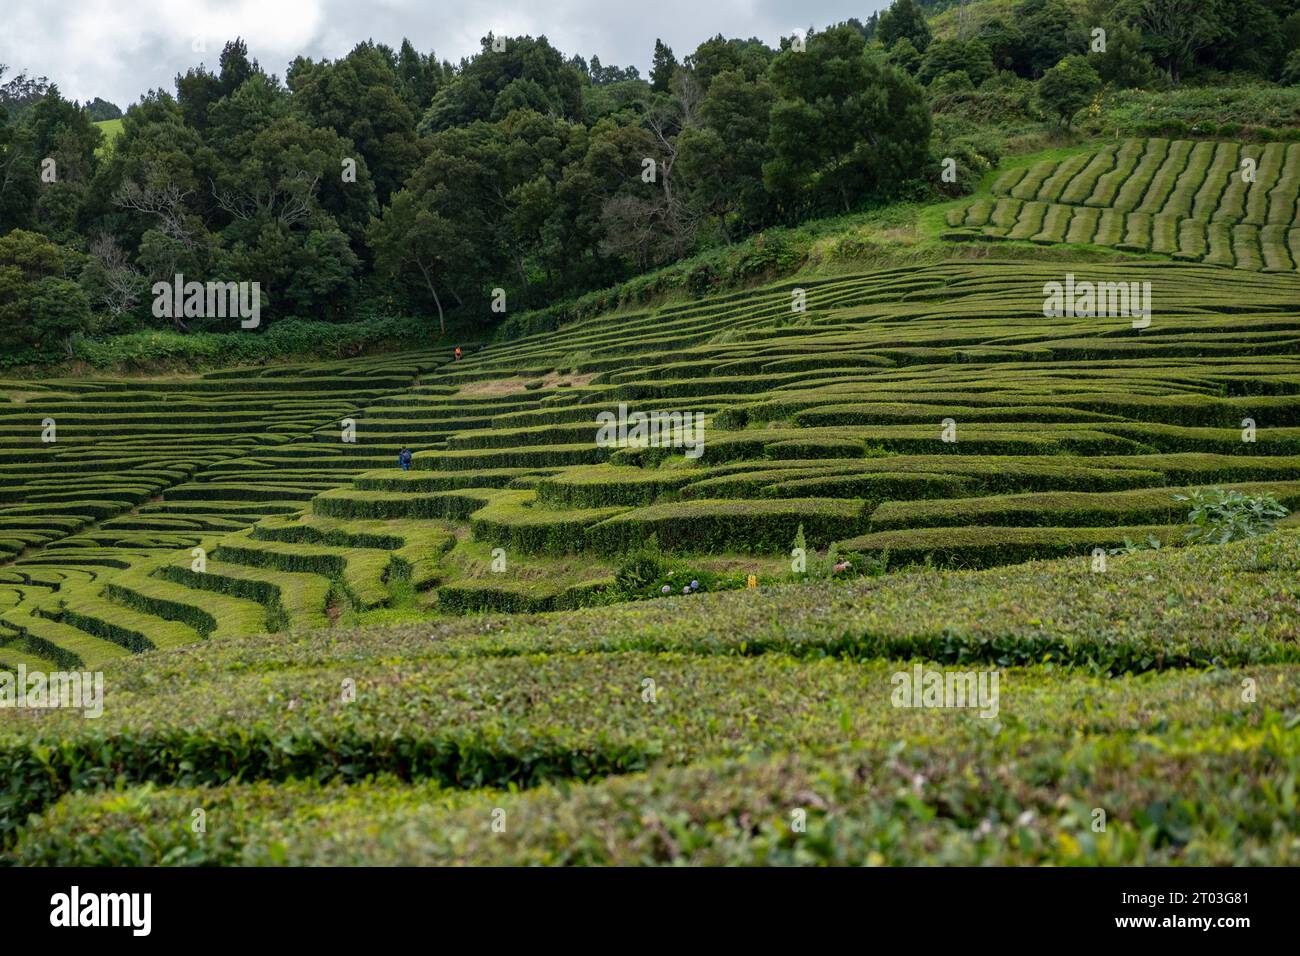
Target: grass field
111, 129
612, 646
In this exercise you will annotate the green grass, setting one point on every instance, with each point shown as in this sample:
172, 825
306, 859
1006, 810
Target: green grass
111, 129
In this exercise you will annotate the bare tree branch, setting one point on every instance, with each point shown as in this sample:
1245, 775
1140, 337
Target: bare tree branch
162, 199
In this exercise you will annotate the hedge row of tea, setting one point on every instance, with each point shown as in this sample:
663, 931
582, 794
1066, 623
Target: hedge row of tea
1221, 203
110, 486
911, 418
649, 734
903, 416
909, 415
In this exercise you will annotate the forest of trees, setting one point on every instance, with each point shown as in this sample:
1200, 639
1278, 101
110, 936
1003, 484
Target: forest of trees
387, 181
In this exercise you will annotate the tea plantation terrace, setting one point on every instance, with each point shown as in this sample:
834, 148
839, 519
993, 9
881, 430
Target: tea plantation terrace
787, 705
1221, 203
908, 415
102, 477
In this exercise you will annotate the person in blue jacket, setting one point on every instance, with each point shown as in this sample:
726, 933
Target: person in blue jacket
404, 458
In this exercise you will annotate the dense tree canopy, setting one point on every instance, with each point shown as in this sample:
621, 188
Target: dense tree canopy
843, 125
387, 180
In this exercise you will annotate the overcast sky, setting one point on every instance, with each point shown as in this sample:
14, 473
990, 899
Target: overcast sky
118, 49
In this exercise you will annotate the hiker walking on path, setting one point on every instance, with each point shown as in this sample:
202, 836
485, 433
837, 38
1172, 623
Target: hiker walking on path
404, 458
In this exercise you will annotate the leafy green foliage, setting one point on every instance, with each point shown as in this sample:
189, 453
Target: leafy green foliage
904, 20
41, 306
1067, 88
827, 97
1218, 516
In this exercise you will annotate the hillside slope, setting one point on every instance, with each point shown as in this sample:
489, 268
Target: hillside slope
762, 726
1220, 203
932, 413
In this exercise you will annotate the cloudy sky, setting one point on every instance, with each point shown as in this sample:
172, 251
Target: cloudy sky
118, 49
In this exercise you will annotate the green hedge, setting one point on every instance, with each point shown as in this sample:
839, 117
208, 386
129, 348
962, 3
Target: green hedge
880, 486
469, 598
982, 547
600, 486
1010, 801
518, 523
348, 503
720, 526
1059, 509
529, 720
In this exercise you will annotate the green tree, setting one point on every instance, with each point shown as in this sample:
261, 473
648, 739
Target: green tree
1176, 30
904, 56
1043, 35
1250, 38
1003, 41
662, 67
153, 191
904, 18
358, 98
277, 228
951, 56
19, 176
844, 128
63, 132
722, 160
529, 73
100, 110
1067, 88
411, 238
419, 77
41, 304
750, 57
236, 67
1124, 64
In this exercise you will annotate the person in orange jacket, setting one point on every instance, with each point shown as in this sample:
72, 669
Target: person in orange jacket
458, 353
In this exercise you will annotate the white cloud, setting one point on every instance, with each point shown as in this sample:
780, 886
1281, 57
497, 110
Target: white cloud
118, 49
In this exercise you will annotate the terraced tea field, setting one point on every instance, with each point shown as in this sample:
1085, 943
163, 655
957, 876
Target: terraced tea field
106, 480
1221, 203
907, 416
702, 729
216, 545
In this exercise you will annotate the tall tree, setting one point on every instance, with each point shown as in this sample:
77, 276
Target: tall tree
528, 72
64, 137
904, 19
41, 305
722, 160
19, 177
1177, 30
412, 238
1068, 87
845, 128
662, 67
419, 77
1043, 35
358, 97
